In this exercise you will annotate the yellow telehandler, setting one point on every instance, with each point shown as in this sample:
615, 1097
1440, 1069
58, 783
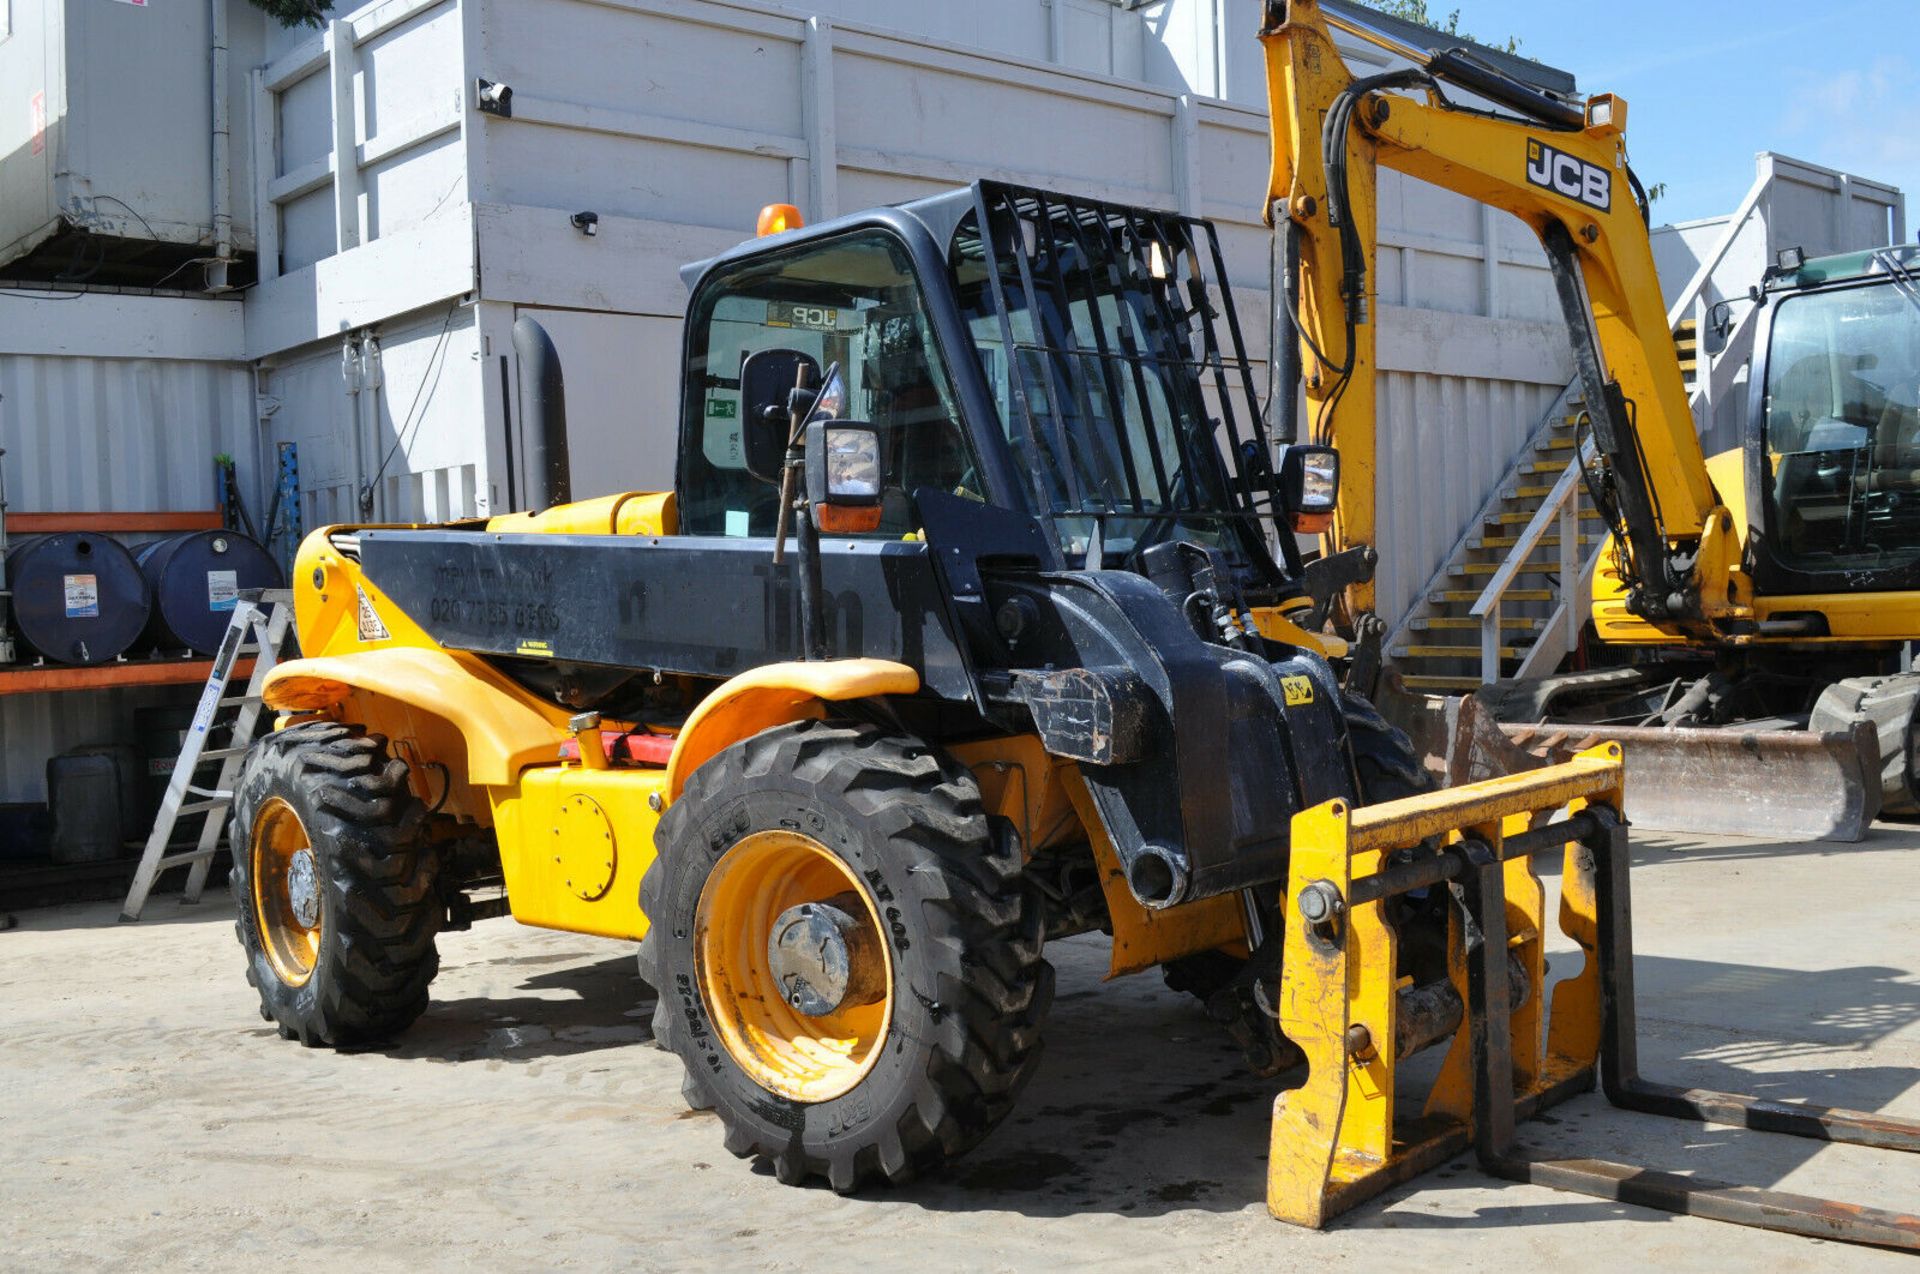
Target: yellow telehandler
975, 620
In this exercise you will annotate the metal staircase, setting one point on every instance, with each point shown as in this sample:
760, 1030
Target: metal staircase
1510, 549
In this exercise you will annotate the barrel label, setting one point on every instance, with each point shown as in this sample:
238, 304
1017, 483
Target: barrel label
83, 596
223, 589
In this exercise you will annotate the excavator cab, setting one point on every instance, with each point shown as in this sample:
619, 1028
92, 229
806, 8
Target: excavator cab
1835, 429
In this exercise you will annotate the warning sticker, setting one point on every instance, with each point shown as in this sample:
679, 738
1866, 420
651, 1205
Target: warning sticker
1299, 690
371, 629
223, 589
83, 596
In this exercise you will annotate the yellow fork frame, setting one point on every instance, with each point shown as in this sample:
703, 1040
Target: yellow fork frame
1335, 1142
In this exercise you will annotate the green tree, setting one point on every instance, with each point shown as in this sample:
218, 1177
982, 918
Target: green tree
295, 13
1417, 11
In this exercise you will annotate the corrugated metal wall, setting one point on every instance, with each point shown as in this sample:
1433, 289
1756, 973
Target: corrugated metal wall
85, 434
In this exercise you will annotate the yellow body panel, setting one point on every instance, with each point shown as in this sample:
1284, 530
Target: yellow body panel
1272, 622
1021, 783
630, 513
773, 695
503, 726
550, 858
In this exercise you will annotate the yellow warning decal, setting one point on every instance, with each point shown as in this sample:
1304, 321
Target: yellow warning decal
537, 648
367, 621
1299, 690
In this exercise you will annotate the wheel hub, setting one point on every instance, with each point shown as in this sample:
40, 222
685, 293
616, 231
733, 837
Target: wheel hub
824, 959
303, 889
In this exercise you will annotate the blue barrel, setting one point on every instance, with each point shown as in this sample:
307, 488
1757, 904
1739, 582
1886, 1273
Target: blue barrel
196, 579
78, 598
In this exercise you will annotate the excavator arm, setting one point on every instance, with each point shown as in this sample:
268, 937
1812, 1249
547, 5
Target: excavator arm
1563, 171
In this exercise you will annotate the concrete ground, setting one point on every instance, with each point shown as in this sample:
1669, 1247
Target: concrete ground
152, 1121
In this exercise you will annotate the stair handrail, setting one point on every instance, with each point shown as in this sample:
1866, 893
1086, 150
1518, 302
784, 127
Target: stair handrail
1562, 505
1763, 181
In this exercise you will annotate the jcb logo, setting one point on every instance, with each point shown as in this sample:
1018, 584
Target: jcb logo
1567, 175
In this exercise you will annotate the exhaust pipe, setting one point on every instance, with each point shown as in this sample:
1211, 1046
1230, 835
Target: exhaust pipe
1158, 876
549, 472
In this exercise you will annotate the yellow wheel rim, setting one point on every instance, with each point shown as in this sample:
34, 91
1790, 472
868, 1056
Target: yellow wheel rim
286, 892
806, 1057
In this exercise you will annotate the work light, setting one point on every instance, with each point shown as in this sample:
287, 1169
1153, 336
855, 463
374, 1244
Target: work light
1310, 485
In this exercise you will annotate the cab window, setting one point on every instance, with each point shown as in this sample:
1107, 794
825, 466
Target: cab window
851, 300
1843, 430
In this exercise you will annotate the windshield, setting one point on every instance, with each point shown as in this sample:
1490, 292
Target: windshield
1095, 329
1842, 429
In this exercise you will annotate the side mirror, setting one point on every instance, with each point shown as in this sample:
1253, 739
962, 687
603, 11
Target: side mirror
846, 472
767, 380
1310, 485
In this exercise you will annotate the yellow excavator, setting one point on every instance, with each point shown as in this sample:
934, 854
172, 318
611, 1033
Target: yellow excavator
1752, 610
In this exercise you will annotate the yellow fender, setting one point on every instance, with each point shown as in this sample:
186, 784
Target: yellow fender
772, 695
504, 727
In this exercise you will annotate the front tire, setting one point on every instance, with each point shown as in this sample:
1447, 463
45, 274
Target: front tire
906, 1047
334, 886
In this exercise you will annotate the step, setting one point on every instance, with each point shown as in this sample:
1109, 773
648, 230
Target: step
1554, 444
1554, 467
1508, 541
1468, 596
1488, 568
1470, 624
1428, 682
1520, 517
1450, 652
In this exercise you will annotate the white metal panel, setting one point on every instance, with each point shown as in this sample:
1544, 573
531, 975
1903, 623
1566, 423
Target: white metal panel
395, 433
623, 400
429, 433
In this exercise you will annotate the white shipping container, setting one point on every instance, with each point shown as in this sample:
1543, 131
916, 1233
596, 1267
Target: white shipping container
107, 128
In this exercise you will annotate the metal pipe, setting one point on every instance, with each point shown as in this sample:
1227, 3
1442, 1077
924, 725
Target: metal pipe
350, 375
6, 596
549, 470
222, 150
1283, 362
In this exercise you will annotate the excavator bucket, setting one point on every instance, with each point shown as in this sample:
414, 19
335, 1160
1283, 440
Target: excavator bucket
1790, 785
1511, 1051
1795, 785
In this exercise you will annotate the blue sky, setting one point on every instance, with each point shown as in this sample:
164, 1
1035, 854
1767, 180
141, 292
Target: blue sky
1711, 82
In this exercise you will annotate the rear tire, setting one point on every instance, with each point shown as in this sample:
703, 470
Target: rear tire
1384, 761
955, 1032
335, 889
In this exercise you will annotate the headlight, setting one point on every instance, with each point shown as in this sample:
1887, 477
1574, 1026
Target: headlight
853, 464
1319, 485
846, 473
